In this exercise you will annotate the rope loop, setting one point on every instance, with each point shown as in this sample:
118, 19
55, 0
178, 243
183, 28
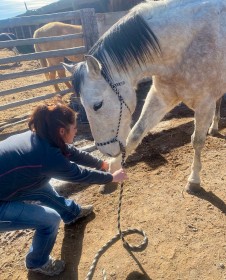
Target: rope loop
121, 234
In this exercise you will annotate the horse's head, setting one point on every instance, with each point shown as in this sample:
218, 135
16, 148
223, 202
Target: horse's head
105, 80
108, 102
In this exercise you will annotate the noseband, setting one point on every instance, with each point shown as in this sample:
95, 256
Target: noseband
114, 87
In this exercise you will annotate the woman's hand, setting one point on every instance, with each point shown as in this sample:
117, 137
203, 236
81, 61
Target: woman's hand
119, 176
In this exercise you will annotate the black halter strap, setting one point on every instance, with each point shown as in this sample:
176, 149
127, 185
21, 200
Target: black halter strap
114, 87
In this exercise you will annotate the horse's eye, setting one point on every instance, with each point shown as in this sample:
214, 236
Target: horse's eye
97, 106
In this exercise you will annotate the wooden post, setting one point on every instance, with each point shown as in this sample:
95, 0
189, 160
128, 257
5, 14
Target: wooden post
89, 26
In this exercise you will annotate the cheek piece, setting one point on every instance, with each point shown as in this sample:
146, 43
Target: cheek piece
114, 87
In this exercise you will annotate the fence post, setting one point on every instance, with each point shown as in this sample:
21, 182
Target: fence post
90, 29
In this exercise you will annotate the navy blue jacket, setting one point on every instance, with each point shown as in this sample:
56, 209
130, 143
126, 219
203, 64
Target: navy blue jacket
28, 162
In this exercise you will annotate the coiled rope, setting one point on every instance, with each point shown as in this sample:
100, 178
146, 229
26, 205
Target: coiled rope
120, 235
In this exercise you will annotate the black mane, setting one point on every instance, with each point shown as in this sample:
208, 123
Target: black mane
78, 77
130, 41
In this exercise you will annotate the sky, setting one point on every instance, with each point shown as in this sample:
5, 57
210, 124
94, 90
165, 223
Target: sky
12, 8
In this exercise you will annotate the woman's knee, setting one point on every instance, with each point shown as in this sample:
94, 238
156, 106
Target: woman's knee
52, 218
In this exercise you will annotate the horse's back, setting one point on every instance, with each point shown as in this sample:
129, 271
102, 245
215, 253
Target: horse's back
182, 10
58, 29
192, 35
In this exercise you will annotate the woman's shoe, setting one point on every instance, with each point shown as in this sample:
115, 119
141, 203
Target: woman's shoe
85, 211
51, 268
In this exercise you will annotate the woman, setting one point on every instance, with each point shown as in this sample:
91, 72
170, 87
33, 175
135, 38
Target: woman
27, 163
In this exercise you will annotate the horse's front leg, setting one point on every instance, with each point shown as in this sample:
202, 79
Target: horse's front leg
203, 117
154, 109
213, 130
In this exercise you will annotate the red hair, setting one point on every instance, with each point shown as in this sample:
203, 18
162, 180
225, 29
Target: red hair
46, 121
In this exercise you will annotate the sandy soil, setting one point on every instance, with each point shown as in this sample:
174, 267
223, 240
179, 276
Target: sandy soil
186, 233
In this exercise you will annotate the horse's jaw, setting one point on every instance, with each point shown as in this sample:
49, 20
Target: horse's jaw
115, 163
113, 156
111, 150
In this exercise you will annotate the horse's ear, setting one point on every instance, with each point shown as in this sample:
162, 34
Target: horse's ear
68, 61
94, 67
69, 67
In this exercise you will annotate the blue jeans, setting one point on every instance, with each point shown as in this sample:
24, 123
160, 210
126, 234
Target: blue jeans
45, 219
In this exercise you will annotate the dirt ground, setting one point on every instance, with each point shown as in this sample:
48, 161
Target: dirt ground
186, 233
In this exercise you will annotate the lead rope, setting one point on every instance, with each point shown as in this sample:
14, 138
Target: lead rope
121, 234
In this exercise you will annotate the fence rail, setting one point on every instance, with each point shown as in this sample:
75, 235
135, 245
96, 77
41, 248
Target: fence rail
93, 25
44, 54
41, 19
22, 42
27, 73
31, 100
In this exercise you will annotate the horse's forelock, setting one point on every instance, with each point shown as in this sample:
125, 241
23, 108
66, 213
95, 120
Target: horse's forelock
130, 40
78, 77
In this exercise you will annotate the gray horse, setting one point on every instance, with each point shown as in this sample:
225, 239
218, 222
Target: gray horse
181, 45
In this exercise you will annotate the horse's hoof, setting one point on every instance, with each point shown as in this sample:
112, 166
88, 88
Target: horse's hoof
213, 132
108, 188
193, 188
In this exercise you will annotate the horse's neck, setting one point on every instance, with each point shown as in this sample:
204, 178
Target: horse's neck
137, 73
131, 76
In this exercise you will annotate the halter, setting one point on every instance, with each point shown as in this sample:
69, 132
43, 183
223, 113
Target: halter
114, 87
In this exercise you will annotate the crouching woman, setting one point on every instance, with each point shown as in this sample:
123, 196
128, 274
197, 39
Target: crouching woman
27, 163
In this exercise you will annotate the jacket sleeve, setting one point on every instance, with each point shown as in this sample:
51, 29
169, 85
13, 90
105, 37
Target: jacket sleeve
83, 158
59, 167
